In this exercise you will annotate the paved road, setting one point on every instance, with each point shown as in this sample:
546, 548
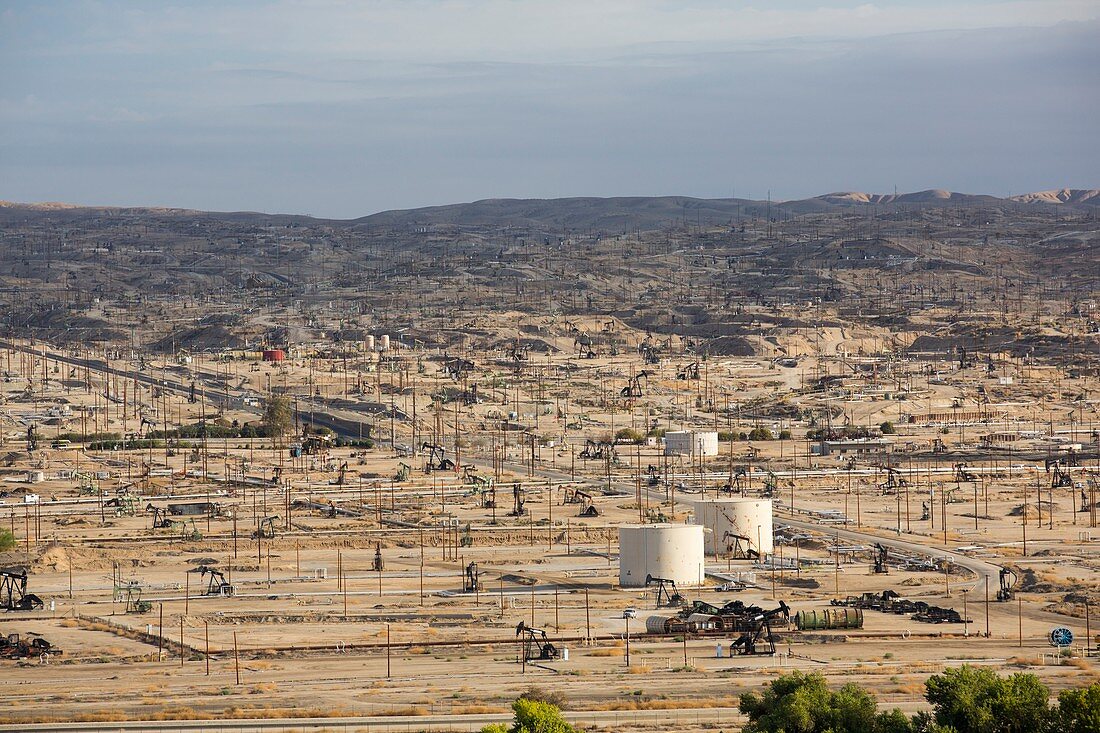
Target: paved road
343, 426
980, 568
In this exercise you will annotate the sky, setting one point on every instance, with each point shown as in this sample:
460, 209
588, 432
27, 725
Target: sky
338, 108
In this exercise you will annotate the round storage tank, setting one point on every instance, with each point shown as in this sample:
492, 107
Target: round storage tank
370, 342
727, 520
274, 355
670, 551
384, 342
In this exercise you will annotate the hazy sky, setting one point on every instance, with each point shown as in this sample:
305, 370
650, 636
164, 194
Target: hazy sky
346, 108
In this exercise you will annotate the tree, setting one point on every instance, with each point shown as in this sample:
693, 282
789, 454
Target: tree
533, 716
1078, 711
761, 434
973, 700
803, 703
887, 428
7, 540
629, 435
278, 416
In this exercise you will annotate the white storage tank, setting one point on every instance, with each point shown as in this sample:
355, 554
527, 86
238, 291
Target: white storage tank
671, 551
741, 517
384, 342
370, 342
688, 443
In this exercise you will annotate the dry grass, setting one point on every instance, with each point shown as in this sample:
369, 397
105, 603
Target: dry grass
638, 669
684, 704
478, 709
1025, 662
606, 653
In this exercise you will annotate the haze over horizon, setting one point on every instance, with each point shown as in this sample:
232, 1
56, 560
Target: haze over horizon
340, 110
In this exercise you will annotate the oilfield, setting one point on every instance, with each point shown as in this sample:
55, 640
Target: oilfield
644, 455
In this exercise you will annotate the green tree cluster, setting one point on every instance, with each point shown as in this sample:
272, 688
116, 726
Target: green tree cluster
963, 700
803, 703
278, 416
533, 716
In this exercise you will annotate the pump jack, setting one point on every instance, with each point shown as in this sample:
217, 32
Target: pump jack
535, 644
771, 485
740, 548
160, 517
962, 475
740, 477
13, 591
893, 482
597, 451
473, 582
634, 388
588, 507
379, 564
437, 460
341, 477
217, 585
134, 604
761, 629
265, 528
1061, 478
402, 472
519, 498
881, 553
1008, 580
691, 371
666, 598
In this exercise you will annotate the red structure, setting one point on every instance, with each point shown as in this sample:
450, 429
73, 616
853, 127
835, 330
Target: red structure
274, 355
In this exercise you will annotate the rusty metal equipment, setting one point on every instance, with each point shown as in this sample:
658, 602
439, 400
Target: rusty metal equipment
14, 647
830, 618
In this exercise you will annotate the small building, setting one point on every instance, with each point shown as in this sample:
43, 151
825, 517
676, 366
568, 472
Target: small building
853, 447
274, 355
1001, 437
691, 443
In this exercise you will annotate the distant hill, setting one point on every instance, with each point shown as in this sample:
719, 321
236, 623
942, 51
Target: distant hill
590, 214
1090, 196
931, 196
